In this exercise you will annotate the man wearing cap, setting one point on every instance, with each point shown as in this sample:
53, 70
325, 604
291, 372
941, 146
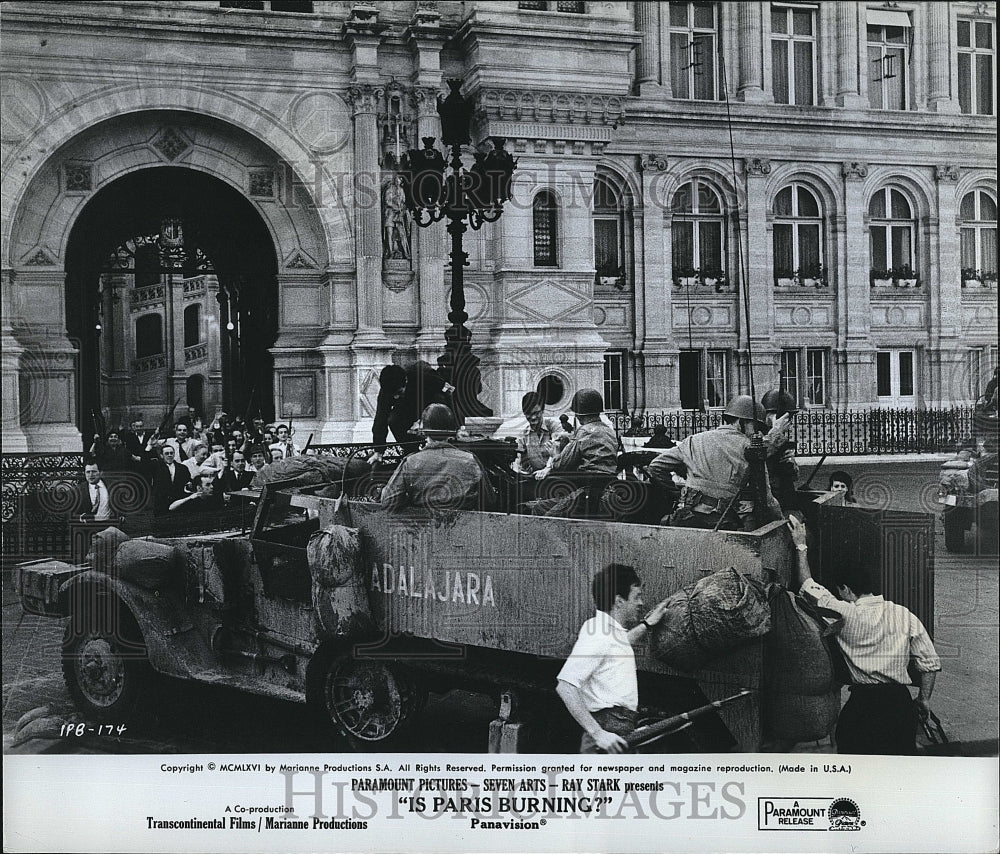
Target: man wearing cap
439, 476
717, 486
590, 458
782, 470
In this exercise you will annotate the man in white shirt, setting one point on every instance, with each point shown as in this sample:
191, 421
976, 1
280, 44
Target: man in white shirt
598, 682
880, 641
183, 445
95, 500
198, 461
284, 444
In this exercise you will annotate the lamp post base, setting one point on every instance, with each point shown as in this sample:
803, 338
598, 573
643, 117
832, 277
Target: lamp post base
460, 367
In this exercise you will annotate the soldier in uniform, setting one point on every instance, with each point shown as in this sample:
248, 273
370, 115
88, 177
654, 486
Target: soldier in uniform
782, 469
717, 485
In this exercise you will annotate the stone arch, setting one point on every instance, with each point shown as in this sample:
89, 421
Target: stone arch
975, 180
267, 119
819, 180
916, 186
96, 157
714, 176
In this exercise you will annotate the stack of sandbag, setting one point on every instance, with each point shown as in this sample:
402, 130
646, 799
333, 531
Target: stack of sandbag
801, 695
719, 613
103, 547
306, 470
150, 564
340, 601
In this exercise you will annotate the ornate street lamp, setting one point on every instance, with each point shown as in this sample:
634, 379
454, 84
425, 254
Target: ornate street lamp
436, 189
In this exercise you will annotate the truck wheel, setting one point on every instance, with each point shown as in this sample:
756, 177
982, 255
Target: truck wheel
372, 703
105, 664
954, 533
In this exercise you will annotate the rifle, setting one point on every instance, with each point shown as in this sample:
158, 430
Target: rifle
814, 472
651, 732
308, 443
99, 424
167, 418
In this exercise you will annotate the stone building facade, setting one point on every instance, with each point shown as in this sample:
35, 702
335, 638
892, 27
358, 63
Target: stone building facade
702, 189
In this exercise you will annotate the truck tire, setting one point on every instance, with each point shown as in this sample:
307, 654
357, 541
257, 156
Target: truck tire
105, 663
954, 533
371, 703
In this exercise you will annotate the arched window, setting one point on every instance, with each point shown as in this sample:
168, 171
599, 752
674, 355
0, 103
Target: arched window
148, 336
609, 233
892, 231
798, 236
697, 233
978, 216
192, 325
544, 213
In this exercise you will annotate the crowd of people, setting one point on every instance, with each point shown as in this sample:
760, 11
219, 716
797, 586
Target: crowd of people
190, 470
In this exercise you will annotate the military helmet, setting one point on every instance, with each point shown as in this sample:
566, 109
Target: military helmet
780, 401
587, 401
438, 420
743, 407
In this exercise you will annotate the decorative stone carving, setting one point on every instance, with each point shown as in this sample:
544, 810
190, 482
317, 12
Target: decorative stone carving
426, 17
39, 259
364, 98
396, 274
397, 223
299, 262
653, 163
558, 146
757, 166
574, 108
262, 183
78, 177
364, 20
854, 170
540, 146
424, 100
171, 144
947, 172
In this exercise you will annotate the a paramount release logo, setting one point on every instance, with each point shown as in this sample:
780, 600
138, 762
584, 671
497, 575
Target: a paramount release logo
808, 814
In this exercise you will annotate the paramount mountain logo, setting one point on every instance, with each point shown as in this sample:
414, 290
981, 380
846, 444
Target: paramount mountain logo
808, 814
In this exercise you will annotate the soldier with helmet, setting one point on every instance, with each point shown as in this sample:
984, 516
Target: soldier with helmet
717, 485
439, 476
782, 469
590, 458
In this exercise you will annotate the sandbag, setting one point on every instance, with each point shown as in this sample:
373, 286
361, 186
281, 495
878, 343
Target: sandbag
717, 614
339, 599
103, 546
149, 564
791, 717
797, 656
306, 470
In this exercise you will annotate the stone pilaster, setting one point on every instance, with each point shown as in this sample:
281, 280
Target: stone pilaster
944, 283
430, 240
367, 216
848, 80
647, 22
939, 99
14, 439
760, 283
750, 23
855, 284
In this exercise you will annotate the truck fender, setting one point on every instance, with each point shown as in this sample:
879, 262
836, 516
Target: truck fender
158, 614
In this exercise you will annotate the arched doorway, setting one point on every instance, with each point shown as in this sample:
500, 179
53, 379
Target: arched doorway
144, 251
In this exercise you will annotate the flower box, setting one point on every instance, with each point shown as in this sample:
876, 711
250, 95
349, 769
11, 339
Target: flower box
882, 283
906, 283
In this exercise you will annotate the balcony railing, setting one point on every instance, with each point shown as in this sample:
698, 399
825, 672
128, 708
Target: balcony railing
832, 432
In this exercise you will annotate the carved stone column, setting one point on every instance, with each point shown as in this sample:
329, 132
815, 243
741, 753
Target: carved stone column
751, 88
939, 98
848, 80
367, 216
647, 22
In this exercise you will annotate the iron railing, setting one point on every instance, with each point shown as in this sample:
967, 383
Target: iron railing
832, 432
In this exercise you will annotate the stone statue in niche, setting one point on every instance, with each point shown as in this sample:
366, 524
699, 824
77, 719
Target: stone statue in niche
396, 221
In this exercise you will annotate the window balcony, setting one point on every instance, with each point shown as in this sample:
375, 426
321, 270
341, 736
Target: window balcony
897, 277
705, 281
